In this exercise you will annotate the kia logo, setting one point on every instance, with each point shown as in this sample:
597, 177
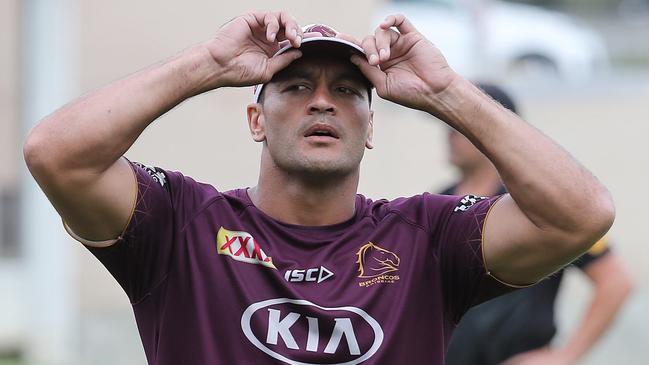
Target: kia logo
292, 330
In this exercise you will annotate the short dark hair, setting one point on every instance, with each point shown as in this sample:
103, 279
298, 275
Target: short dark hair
498, 94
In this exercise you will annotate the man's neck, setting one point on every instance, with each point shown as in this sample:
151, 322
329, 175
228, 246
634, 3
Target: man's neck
307, 203
481, 180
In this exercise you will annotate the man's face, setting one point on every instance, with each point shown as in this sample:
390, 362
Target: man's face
462, 153
315, 118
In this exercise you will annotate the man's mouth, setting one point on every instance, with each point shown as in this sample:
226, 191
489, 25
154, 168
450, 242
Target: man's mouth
321, 130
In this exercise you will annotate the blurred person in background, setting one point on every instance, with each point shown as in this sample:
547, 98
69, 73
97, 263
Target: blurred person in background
516, 329
301, 268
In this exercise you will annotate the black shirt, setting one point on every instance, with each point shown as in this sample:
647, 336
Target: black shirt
520, 321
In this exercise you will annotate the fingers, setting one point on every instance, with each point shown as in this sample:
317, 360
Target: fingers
279, 62
373, 73
271, 24
372, 53
292, 30
377, 47
400, 22
306, 35
384, 39
277, 27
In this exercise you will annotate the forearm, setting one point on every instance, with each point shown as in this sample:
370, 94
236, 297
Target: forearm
88, 135
550, 187
595, 322
612, 286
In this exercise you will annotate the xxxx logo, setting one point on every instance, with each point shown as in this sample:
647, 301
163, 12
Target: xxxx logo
241, 246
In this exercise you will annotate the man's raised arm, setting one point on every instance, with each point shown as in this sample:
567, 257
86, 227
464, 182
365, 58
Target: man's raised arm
75, 153
557, 209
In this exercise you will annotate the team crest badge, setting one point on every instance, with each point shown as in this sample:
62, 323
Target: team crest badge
376, 264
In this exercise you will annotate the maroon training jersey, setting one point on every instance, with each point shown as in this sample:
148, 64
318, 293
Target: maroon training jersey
213, 280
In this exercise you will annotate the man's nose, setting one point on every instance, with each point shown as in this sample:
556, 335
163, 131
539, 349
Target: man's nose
322, 101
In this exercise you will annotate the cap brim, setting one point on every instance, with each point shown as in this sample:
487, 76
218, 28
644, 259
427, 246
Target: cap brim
329, 46
324, 43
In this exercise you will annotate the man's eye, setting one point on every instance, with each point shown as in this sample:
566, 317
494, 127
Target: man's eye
347, 90
297, 87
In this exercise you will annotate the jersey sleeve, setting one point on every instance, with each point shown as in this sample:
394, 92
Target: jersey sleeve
140, 258
599, 250
459, 223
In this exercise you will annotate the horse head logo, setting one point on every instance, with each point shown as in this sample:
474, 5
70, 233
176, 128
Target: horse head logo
375, 261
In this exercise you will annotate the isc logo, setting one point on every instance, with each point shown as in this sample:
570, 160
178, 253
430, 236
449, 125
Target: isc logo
299, 332
316, 274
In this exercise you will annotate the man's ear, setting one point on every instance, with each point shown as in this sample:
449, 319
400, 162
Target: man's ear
256, 122
370, 132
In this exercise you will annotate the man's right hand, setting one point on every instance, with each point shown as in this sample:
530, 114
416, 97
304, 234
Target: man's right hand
74, 153
243, 48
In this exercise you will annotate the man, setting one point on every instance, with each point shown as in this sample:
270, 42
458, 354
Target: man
300, 269
516, 329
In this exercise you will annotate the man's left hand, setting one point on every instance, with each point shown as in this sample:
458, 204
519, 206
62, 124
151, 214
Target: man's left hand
403, 65
542, 356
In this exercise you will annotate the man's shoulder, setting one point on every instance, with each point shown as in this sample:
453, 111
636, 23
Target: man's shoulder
434, 202
420, 209
182, 190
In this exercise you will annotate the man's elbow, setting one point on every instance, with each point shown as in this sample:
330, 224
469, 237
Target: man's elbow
35, 152
587, 223
604, 214
598, 221
43, 156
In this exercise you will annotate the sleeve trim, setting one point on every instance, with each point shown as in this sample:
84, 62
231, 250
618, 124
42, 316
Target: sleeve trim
85, 242
484, 259
110, 242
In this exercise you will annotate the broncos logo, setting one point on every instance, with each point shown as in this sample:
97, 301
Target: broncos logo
375, 261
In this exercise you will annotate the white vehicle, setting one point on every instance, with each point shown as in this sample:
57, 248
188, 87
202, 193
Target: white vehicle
491, 38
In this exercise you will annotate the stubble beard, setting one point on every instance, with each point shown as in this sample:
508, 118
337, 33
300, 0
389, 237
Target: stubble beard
319, 171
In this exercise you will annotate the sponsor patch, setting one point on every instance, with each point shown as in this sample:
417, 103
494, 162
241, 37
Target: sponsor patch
467, 202
377, 264
312, 275
241, 246
293, 330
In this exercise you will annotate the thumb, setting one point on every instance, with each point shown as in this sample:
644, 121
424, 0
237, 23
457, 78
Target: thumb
279, 62
373, 73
